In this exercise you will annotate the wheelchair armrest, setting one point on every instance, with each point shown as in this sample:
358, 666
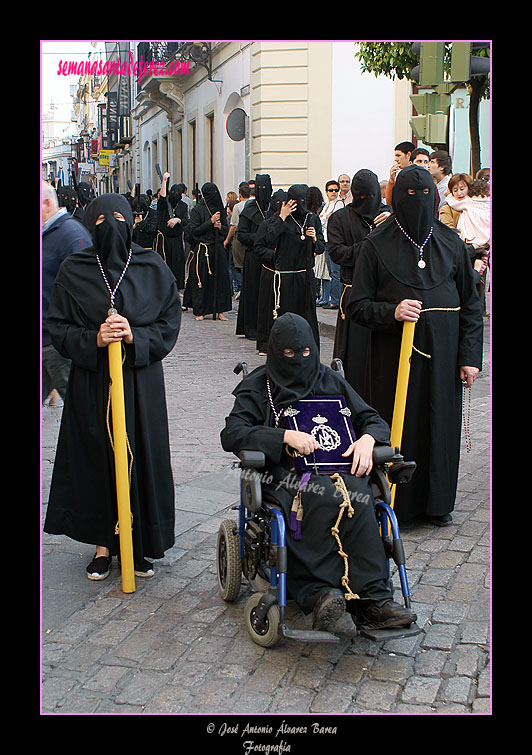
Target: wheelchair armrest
250, 483
384, 455
399, 471
252, 459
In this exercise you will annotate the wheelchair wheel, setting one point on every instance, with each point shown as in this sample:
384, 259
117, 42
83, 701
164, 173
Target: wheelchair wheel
229, 567
270, 633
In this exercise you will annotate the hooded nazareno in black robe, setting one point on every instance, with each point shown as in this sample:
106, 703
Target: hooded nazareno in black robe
287, 284
208, 288
82, 502
251, 217
314, 563
448, 335
146, 229
346, 230
169, 241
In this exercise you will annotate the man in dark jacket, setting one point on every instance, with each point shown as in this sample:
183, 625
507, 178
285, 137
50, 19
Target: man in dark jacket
61, 235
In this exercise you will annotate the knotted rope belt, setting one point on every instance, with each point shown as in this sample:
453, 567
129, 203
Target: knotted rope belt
339, 484
434, 309
191, 257
297, 516
160, 234
341, 308
277, 286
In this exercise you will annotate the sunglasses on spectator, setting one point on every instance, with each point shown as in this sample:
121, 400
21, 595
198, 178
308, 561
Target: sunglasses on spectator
333, 190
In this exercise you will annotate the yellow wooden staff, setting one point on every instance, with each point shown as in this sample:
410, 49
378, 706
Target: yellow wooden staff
401, 389
121, 466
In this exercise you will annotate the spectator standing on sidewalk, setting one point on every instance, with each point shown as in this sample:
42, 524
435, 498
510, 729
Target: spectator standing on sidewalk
343, 199
402, 156
440, 167
61, 235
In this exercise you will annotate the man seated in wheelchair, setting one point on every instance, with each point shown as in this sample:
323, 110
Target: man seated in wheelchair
336, 557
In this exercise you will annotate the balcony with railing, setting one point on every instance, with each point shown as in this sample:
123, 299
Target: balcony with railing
171, 60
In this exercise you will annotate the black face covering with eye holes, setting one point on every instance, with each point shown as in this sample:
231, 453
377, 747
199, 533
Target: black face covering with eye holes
414, 201
141, 205
174, 195
146, 284
298, 193
276, 201
263, 190
112, 237
211, 198
416, 214
366, 192
291, 378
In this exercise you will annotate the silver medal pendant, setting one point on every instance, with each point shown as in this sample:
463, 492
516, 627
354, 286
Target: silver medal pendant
422, 264
112, 311
302, 237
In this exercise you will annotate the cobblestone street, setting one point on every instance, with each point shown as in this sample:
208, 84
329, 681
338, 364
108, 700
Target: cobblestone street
174, 647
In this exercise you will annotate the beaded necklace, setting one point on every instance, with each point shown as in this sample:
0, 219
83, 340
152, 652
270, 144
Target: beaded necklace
301, 227
112, 310
278, 415
421, 263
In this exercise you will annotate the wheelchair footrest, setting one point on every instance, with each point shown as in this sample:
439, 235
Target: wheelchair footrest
308, 635
393, 633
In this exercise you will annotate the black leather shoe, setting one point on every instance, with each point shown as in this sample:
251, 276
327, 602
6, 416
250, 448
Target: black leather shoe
327, 610
382, 614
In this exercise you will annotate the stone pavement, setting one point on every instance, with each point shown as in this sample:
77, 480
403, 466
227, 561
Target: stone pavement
174, 647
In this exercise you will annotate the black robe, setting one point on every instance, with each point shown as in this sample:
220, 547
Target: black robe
346, 230
145, 231
447, 336
82, 502
208, 287
169, 241
279, 246
249, 221
314, 563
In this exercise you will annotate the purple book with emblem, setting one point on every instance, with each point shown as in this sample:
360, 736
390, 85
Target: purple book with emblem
328, 419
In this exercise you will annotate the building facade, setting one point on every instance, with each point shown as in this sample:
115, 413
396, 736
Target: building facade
301, 111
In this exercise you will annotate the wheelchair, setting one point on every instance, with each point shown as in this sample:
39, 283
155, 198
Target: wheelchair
255, 546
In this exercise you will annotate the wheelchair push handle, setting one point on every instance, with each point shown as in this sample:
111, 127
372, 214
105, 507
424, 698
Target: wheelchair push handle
338, 366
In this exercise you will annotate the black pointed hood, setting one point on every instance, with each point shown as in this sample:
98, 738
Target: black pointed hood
263, 191
366, 192
174, 195
211, 198
298, 192
291, 378
112, 237
414, 201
